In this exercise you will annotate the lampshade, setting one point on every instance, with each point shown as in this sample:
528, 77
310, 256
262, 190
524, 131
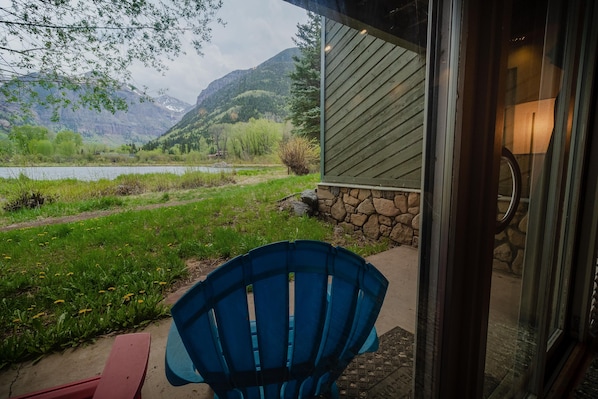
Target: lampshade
532, 123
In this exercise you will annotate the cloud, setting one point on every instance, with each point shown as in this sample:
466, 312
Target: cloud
255, 31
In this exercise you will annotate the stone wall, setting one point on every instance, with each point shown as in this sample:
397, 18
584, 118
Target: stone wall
377, 213
509, 245
395, 214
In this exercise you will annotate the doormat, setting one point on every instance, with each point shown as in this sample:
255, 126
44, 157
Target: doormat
588, 388
386, 373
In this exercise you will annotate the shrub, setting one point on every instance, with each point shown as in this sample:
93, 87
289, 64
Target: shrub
299, 154
27, 199
129, 185
25, 193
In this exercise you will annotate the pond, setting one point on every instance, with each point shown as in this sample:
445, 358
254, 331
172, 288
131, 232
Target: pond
93, 173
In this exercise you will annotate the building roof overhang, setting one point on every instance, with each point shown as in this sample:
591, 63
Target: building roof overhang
402, 22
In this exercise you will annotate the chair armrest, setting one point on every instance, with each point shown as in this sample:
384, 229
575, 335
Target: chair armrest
82, 389
122, 378
124, 372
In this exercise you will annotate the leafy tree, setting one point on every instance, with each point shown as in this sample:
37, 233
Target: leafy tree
202, 145
255, 138
68, 136
88, 46
6, 149
41, 147
66, 149
219, 134
67, 143
304, 103
23, 136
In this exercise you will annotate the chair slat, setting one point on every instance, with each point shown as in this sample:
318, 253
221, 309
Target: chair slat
232, 318
310, 316
271, 299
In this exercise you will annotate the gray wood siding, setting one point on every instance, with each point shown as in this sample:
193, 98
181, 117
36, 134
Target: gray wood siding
373, 110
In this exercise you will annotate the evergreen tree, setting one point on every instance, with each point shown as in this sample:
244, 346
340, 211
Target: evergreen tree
304, 102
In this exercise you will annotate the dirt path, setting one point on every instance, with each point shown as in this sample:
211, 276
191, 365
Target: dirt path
89, 215
243, 181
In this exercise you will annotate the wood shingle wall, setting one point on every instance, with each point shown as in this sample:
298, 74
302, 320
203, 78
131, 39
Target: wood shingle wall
373, 113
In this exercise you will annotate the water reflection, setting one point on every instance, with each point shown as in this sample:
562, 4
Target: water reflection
94, 173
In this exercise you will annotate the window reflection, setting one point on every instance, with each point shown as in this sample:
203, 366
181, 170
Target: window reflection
523, 255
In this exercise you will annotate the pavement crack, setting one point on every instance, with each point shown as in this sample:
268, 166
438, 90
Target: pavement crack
14, 380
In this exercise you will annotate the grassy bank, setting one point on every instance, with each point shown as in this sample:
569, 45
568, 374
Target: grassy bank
67, 283
70, 196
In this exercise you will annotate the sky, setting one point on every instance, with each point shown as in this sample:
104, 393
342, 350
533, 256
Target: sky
255, 31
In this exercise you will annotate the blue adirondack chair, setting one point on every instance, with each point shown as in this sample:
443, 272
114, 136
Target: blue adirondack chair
282, 321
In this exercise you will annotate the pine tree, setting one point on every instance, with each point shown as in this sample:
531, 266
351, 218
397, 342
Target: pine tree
304, 103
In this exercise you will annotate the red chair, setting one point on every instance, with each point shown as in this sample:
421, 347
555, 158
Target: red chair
122, 378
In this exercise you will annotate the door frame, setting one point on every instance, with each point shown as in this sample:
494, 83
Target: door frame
466, 74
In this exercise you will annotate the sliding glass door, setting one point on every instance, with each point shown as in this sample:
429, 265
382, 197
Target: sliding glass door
508, 228
532, 328
508, 239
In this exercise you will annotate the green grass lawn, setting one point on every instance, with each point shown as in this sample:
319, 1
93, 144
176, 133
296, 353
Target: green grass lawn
63, 284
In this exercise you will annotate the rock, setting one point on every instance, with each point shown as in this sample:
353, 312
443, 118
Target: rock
337, 211
384, 220
413, 200
301, 208
363, 194
415, 242
324, 193
350, 200
503, 253
400, 202
402, 234
516, 238
385, 230
310, 198
405, 219
324, 208
366, 207
523, 224
371, 228
347, 227
359, 219
385, 207
517, 266
415, 222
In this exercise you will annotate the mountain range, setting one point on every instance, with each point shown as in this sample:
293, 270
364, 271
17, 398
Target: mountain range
259, 92
143, 121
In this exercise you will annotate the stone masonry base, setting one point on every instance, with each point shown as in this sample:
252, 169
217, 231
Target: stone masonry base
375, 212
395, 214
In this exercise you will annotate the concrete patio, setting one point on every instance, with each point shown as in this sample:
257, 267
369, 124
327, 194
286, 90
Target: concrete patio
399, 265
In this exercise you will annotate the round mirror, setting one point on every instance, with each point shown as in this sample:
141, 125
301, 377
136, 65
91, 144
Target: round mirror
510, 187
